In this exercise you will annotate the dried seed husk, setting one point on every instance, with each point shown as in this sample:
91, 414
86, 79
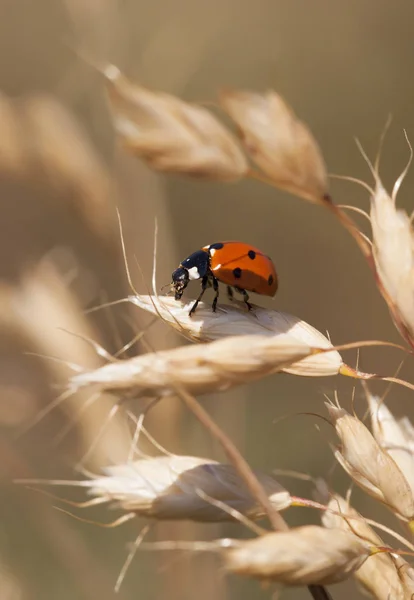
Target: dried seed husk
228, 320
307, 555
172, 135
167, 488
369, 465
395, 436
278, 142
197, 369
379, 576
393, 251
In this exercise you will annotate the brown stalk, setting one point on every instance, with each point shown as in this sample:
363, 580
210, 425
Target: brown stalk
240, 464
349, 224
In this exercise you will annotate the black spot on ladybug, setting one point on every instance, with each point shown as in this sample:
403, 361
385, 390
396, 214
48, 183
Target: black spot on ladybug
237, 272
216, 246
251, 254
270, 280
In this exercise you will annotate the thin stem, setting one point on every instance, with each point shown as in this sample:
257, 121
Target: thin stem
317, 592
234, 455
350, 225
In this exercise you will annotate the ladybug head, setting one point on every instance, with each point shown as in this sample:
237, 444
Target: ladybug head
180, 279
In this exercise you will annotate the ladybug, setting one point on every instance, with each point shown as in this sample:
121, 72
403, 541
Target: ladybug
236, 264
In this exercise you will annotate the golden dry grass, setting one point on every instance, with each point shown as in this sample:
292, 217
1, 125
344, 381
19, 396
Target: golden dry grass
46, 150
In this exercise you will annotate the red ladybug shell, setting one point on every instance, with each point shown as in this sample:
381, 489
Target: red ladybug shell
243, 266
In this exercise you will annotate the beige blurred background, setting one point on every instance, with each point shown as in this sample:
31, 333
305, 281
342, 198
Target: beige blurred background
344, 66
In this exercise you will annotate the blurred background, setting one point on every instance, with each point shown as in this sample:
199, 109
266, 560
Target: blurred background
344, 67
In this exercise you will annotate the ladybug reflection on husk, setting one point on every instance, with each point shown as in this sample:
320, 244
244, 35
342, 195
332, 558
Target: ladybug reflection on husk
236, 264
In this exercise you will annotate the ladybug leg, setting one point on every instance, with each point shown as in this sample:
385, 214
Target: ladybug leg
204, 286
216, 289
246, 299
230, 294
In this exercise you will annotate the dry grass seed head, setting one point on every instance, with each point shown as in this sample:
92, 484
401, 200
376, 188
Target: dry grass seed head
380, 575
174, 488
393, 247
395, 436
232, 320
200, 369
369, 465
172, 135
279, 143
406, 573
302, 556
